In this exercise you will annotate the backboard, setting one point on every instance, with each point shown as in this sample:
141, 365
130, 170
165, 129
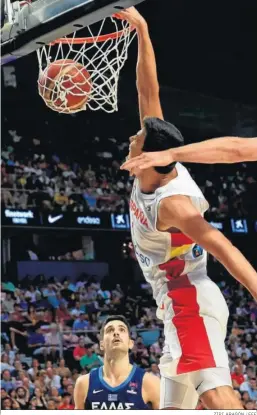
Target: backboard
38, 23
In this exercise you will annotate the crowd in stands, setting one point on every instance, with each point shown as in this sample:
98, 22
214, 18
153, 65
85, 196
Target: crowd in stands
50, 336
34, 177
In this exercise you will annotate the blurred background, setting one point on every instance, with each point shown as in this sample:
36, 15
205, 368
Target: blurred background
67, 258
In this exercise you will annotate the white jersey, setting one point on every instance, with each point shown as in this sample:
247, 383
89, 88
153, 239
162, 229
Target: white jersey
174, 264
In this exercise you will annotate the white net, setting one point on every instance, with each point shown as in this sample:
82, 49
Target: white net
96, 60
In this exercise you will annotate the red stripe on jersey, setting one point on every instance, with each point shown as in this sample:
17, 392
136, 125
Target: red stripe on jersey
193, 338
179, 239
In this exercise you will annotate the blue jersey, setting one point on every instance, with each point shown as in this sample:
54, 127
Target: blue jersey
128, 395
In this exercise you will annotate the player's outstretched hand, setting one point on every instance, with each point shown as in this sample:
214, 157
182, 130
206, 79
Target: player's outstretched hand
146, 160
132, 16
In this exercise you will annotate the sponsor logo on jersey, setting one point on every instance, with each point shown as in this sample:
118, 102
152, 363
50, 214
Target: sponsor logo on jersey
112, 405
97, 391
197, 251
138, 214
142, 258
133, 392
133, 385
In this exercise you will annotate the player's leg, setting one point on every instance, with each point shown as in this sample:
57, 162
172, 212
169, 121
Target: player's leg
178, 393
215, 389
214, 384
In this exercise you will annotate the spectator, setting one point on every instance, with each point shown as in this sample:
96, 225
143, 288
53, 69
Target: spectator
76, 311
237, 376
250, 405
8, 304
7, 404
80, 350
243, 349
90, 360
22, 398
250, 387
55, 395
39, 400
82, 323
66, 402
63, 370
34, 370
31, 295
4, 394
6, 383
63, 314
17, 315
52, 380
52, 340
70, 340
51, 405
36, 342
5, 364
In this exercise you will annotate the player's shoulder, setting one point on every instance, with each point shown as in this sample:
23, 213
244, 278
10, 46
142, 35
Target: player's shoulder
150, 380
83, 380
151, 389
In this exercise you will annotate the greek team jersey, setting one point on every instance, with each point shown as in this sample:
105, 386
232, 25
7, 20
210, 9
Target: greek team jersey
128, 395
175, 266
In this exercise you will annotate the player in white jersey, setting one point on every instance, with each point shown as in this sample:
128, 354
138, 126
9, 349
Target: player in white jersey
171, 237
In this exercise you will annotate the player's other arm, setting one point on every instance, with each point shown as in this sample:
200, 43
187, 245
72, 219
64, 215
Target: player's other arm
147, 80
151, 390
179, 212
216, 150
80, 391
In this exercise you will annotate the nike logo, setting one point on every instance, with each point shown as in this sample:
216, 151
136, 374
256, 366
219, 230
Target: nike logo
132, 392
53, 219
198, 386
100, 390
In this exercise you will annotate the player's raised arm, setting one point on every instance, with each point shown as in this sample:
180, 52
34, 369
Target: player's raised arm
80, 391
179, 212
216, 150
147, 80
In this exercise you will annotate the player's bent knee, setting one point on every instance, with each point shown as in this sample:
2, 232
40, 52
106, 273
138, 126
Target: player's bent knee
222, 397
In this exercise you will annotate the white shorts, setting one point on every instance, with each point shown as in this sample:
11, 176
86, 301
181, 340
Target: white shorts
183, 391
195, 318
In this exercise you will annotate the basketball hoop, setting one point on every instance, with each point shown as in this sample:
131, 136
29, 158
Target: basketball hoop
102, 54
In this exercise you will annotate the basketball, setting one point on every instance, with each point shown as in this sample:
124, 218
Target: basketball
65, 85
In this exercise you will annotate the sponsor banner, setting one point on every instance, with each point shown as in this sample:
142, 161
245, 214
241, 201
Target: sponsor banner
58, 219
115, 221
78, 220
239, 225
20, 217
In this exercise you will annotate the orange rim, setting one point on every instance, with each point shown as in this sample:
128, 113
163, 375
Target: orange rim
96, 39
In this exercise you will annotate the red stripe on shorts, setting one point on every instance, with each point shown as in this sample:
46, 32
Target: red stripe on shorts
174, 268
194, 342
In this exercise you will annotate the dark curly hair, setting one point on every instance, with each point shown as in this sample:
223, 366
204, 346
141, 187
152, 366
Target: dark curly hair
161, 135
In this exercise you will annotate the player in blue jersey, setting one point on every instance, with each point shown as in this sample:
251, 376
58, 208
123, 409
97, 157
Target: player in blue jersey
117, 384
